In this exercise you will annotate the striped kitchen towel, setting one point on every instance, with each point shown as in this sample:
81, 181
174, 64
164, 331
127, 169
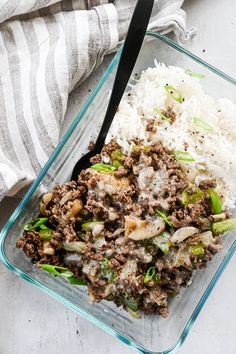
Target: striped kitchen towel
46, 48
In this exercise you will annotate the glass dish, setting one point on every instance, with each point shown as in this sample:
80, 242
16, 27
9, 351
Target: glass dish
151, 334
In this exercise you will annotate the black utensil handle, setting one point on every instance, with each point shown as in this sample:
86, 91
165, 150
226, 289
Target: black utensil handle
132, 46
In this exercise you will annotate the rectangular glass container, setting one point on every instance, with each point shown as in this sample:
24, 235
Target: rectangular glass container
150, 334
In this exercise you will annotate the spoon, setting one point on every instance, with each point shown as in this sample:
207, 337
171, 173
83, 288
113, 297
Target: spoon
130, 52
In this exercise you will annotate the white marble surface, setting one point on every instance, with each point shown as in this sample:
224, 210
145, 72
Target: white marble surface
33, 323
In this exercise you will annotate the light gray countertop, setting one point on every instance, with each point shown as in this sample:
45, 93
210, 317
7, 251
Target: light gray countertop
33, 323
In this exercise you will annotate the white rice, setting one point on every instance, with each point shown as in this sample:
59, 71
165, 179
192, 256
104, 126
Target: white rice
213, 151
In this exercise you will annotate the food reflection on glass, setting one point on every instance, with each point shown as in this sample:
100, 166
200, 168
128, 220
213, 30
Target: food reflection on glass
153, 206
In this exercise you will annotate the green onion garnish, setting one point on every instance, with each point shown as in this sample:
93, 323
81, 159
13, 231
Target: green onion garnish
216, 204
34, 223
202, 125
223, 226
82, 235
45, 234
135, 314
56, 270
197, 250
165, 218
175, 94
76, 281
191, 73
150, 275
103, 168
131, 302
117, 155
183, 156
157, 111
186, 198
116, 163
87, 225
63, 272
44, 227
106, 271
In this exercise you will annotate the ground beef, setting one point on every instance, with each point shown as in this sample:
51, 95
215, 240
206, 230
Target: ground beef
128, 162
110, 147
33, 248
57, 239
208, 183
91, 146
191, 214
95, 207
92, 214
68, 231
150, 126
121, 172
96, 159
31, 244
170, 114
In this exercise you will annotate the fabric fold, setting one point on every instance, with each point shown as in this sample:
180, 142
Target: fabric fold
47, 47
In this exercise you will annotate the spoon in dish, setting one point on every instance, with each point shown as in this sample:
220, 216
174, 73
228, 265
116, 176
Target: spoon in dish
129, 55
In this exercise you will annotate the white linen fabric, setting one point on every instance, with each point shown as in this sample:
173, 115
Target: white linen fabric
46, 48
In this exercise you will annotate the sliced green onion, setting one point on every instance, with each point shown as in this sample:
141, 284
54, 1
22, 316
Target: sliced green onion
81, 235
116, 163
202, 125
183, 156
191, 73
146, 148
163, 242
34, 223
150, 275
56, 270
197, 250
63, 272
45, 234
165, 218
117, 155
223, 226
44, 227
216, 204
131, 302
187, 198
103, 168
87, 225
175, 94
135, 148
106, 271
75, 281
157, 111
134, 314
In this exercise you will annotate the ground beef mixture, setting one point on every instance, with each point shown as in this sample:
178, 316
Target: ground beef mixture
133, 227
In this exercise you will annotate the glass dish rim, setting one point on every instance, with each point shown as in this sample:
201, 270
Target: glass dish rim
44, 170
